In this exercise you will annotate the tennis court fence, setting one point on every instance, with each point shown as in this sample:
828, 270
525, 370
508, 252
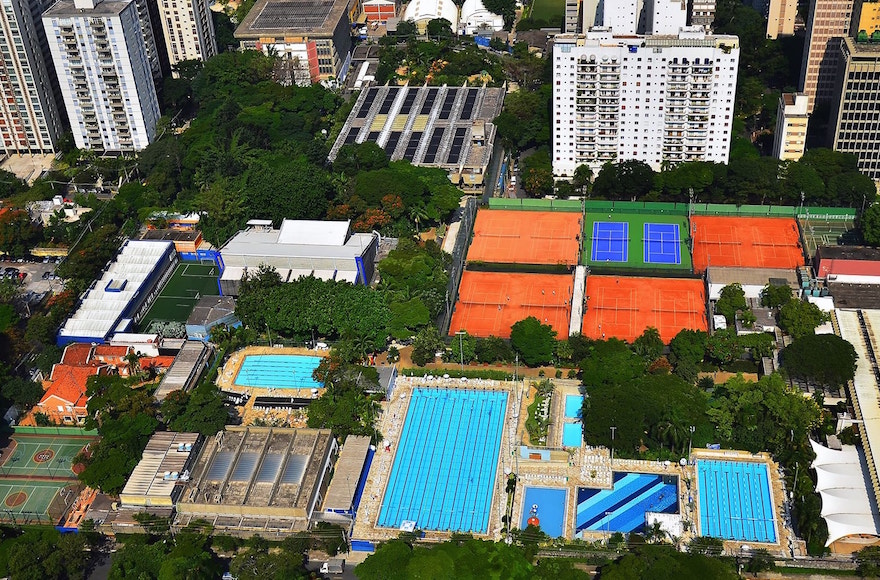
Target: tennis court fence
459, 254
61, 431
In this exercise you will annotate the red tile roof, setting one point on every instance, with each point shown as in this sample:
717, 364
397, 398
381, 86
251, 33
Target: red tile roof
159, 362
77, 354
68, 383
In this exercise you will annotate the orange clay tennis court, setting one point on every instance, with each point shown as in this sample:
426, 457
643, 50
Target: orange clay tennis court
623, 307
526, 237
745, 242
489, 303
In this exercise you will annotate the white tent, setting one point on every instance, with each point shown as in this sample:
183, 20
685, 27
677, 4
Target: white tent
474, 15
842, 483
421, 11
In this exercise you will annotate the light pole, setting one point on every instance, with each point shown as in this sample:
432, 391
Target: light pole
690, 440
613, 430
461, 334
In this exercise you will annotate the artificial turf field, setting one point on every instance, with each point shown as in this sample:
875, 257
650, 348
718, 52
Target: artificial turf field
189, 282
546, 9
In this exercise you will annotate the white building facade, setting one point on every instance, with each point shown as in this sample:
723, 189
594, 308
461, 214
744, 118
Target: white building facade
622, 16
475, 18
654, 99
188, 29
29, 117
104, 72
665, 16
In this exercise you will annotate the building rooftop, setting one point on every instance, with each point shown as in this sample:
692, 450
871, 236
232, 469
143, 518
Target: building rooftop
292, 17
173, 235
210, 309
161, 469
66, 8
104, 303
258, 478
299, 238
751, 276
184, 370
848, 253
347, 474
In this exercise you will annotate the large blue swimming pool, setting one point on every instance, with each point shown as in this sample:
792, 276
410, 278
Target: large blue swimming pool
548, 505
735, 501
573, 404
623, 508
446, 461
278, 371
572, 435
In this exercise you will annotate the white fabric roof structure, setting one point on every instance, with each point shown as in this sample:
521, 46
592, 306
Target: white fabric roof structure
161, 467
842, 482
314, 232
474, 14
431, 9
100, 310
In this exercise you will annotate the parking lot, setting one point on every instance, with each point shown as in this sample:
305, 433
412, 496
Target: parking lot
34, 281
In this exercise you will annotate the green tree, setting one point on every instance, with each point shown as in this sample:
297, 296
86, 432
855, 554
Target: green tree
655, 561
731, 301
799, 318
345, 406
492, 349
776, 296
706, 546
426, 345
609, 363
17, 232
439, 28
649, 345
868, 561
201, 411
689, 345
582, 179
463, 345
824, 359
22, 392
281, 189
505, 8
869, 224
535, 342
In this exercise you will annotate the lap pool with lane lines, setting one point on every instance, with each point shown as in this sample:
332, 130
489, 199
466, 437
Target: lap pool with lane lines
446, 461
278, 371
735, 501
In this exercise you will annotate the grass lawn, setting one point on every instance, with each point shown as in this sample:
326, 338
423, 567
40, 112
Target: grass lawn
546, 9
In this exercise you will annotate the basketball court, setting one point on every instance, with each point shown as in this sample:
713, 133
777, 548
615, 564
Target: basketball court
526, 237
489, 303
746, 242
623, 306
41, 456
190, 281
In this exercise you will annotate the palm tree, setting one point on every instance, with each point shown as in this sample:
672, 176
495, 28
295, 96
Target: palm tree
417, 213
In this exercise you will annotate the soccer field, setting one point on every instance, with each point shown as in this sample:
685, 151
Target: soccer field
187, 285
546, 9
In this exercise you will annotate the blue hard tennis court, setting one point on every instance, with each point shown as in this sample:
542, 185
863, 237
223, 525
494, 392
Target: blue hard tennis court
623, 508
446, 464
662, 244
610, 241
735, 501
278, 371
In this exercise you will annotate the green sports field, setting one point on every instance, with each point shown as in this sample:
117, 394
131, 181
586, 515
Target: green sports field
189, 282
546, 9
633, 253
28, 501
41, 456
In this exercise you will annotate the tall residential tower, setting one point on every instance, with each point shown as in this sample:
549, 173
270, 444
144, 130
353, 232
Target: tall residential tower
827, 22
188, 29
104, 72
652, 98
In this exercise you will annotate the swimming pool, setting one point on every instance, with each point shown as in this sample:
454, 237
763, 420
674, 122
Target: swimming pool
623, 508
735, 501
278, 371
573, 406
572, 434
550, 511
446, 461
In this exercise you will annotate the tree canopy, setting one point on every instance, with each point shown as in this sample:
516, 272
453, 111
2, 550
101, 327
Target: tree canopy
822, 359
535, 342
799, 318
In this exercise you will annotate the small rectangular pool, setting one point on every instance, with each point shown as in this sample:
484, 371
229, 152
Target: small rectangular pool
446, 461
572, 435
547, 505
736, 501
278, 371
573, 406
623, 508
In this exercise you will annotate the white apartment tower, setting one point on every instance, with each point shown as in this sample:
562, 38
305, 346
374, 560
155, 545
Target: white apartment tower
29, 117
621, 16
188, 29
665, 16
790, 137
104, 73
657, 99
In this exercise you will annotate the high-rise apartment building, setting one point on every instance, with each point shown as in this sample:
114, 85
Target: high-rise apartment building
188, 29
621, 16
572, 22
104, 73
827, 22
855, 119
702, 13
790, 137
780, 18
665, 16
866, 17
651, 98
147, 15
29, 118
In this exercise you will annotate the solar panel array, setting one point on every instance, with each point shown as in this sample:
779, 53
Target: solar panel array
366, 103
412, 146
469, 102
393, 139
352, 135
434, 145
446, 109
372, 136
295, 469
293, 14
457, 144
386, 104
429, 101
408, 101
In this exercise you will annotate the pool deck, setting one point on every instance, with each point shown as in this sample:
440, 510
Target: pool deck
278, 417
